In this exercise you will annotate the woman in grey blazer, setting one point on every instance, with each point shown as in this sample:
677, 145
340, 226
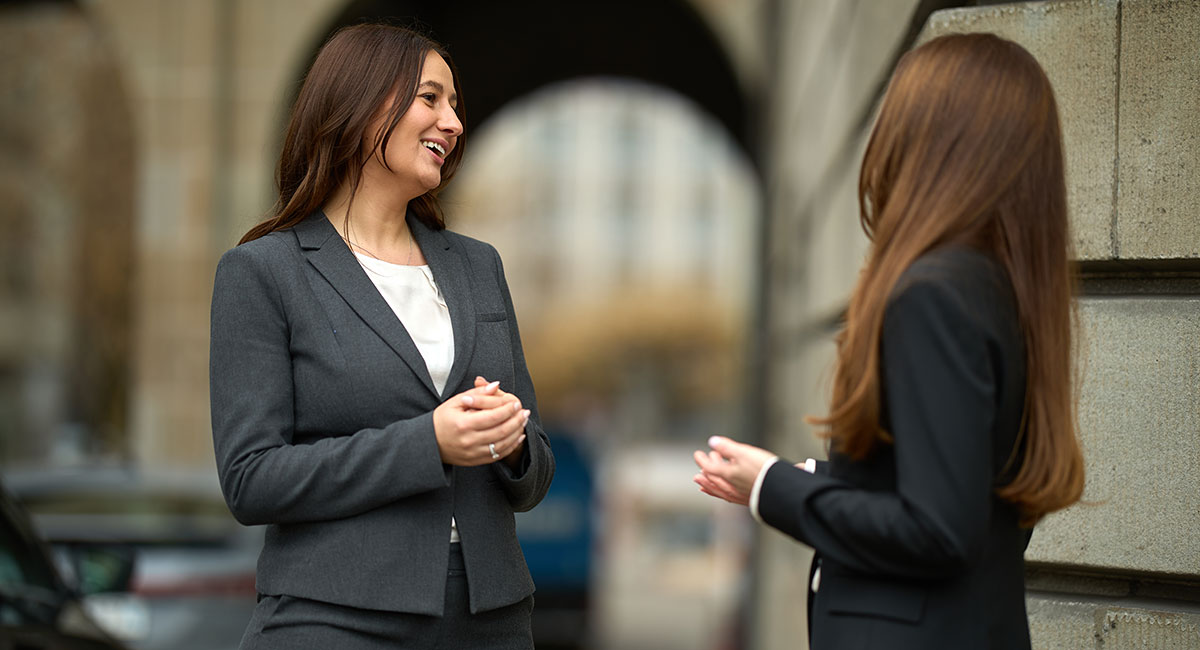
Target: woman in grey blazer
370, 399
952, 419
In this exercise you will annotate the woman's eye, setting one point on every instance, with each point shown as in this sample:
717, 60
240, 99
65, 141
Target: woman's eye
429, 97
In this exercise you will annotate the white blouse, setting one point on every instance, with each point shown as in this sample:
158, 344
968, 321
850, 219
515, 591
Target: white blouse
411, 292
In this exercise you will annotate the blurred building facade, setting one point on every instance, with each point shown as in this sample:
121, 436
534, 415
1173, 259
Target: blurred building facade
139, 141
626, 218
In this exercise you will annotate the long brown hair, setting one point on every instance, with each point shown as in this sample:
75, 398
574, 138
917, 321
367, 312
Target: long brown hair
967, 149
357, 69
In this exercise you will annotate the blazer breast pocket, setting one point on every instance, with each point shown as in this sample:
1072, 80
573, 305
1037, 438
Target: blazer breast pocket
857, 595
493, 357
490, 316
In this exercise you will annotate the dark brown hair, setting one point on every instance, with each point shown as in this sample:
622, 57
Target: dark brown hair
967, 148
354, 73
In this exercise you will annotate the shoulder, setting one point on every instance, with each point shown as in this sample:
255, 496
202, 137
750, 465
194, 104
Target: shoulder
480, 255
475, 248
954, 292
273, 244
957, 274
952, 265
259, 258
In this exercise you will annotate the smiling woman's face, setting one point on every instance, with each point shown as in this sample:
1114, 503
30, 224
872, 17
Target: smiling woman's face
426, 133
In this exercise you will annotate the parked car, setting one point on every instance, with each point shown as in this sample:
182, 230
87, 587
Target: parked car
161, 562
37, 609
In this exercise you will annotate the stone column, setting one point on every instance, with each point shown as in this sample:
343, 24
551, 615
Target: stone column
208, 83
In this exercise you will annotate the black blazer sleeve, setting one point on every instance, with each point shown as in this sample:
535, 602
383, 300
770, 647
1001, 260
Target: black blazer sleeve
266, 478
938, 390
525, 487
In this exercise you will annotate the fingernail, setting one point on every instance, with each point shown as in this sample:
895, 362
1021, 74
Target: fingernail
525, 413
521, 439
516, 406
713, 441
468, 400
493, 385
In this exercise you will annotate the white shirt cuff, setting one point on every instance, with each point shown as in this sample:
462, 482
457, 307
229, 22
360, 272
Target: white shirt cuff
809, 466
754, 491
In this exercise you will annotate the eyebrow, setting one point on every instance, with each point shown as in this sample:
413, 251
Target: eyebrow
436, 85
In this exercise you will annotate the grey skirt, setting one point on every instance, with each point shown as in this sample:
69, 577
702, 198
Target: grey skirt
290, 623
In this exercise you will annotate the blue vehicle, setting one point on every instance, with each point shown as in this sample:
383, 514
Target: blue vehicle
556, 537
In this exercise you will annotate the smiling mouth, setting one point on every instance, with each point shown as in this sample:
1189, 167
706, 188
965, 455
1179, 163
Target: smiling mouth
434, 147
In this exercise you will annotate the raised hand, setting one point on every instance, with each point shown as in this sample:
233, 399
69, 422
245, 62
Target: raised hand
728, 471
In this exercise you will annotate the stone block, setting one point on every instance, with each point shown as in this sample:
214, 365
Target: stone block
1057, 622
1076, 43
1139, 415
1119, 628
1060, 624
1159, 143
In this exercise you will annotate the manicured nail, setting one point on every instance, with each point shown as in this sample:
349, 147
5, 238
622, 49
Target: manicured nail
468, 400
525, 413
493, 385
521, 439
714, 441
516, 406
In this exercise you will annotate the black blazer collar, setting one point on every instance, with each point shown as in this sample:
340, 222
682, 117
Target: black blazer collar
331, 257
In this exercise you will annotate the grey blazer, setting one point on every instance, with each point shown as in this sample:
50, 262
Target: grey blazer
323, 425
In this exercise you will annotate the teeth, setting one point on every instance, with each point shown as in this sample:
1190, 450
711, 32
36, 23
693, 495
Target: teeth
435, 146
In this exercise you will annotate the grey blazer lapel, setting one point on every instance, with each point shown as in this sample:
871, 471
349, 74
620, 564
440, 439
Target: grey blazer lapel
451, 273
327, 252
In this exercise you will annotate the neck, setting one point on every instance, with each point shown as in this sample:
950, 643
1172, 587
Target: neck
373, 224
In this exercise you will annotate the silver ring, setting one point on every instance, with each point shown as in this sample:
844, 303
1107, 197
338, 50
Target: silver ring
492, 448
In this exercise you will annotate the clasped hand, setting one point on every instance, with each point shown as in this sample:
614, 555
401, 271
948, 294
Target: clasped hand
473, 423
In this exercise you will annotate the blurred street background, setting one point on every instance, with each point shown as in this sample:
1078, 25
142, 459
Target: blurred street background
671, 185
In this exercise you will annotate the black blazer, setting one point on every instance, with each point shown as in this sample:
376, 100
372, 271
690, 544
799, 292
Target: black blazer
916, 550
323, 427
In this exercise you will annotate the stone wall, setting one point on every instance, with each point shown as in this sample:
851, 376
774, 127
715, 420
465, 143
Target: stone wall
1123, 569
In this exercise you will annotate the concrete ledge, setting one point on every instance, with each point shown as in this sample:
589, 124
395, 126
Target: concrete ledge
1060, 624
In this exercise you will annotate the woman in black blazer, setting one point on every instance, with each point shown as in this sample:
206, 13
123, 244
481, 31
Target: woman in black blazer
370, 399
952, 419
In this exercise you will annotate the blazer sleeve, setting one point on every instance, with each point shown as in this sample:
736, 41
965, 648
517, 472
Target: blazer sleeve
938, 388
266, 478
526, 486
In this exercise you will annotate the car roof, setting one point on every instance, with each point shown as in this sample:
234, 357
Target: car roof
124, 505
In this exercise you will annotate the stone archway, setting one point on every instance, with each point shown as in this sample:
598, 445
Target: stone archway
506, 50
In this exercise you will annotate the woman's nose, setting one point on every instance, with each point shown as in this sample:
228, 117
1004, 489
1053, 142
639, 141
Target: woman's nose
448, 122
